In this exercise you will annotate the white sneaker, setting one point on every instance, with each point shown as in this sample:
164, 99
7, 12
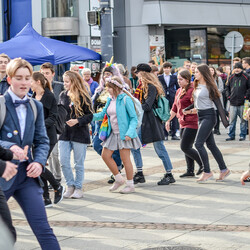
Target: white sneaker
69, 192
116, 185
78, 194
128, 189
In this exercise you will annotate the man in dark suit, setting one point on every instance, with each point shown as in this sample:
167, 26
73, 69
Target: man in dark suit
47, 69
22, 132
4, 60
170, 85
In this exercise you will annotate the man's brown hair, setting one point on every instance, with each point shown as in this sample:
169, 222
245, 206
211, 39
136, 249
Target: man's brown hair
48, 65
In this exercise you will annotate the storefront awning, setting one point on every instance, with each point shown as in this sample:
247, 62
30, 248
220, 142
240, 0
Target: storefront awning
191, 13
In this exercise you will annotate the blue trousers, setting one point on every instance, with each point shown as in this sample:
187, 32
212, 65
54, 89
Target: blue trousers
28, 194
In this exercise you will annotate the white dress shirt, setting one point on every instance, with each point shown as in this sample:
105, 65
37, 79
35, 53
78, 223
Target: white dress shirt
167, 79
21, 111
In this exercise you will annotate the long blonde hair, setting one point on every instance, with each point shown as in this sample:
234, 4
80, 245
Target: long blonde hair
78, 90
150, 78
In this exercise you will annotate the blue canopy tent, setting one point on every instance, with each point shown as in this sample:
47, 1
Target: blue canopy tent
36, 49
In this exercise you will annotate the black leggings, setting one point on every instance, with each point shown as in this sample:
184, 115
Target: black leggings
48, 176
187, 141
207, 120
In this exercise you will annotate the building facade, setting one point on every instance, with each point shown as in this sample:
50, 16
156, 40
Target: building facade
177, 30
173, 30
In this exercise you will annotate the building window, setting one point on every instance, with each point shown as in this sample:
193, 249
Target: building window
60, 8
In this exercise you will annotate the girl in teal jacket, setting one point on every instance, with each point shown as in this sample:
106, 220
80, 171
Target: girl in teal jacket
122, 123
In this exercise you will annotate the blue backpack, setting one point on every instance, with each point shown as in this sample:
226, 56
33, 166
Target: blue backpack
138, 108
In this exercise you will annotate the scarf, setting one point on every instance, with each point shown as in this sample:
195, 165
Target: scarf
138, 92
90, 81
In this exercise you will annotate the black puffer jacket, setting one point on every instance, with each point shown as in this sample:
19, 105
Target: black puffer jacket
238, 89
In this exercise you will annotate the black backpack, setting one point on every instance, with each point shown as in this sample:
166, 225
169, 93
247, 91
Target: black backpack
61, 119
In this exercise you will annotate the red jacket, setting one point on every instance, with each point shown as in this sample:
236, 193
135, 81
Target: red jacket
186, 121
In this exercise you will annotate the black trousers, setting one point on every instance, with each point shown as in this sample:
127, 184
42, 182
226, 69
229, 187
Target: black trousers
5, 214
207, 120
217, 125
47, 176
187, 141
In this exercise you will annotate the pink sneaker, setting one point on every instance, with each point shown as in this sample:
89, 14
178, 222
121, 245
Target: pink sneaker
116, 185
223, 175
205, 177
128, 190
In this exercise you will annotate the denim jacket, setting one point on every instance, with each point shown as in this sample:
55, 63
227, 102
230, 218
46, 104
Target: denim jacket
126, 116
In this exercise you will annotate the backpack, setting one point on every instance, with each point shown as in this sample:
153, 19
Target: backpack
138, 108
3, 109
61, 118
162, 110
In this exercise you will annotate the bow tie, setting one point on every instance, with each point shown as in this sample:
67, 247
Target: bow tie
19, 102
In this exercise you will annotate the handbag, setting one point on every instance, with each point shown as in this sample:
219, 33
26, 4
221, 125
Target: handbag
103, 132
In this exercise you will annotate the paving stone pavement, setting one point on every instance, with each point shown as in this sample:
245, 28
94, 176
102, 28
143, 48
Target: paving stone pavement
185, 215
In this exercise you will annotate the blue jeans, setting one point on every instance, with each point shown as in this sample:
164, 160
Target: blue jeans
98, 147
234, 112
160, 151
79, 150
163, 155
137, 153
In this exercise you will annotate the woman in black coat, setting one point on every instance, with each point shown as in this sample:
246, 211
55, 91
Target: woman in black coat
42, 92
152, 128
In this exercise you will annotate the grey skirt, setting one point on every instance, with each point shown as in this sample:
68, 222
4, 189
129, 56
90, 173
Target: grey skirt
114, 142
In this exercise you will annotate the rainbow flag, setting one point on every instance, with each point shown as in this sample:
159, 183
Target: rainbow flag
103, 132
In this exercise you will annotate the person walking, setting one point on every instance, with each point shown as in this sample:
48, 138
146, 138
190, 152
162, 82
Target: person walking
99, 101
188, 123
237, 91
21, 132
42, 92
148, 91
48, 70
4, 85
220, 85
205, 94
76, 137
170, 85
122, 117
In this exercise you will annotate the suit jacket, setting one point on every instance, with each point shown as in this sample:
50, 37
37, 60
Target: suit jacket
34, 135
58, 87
4, 86
171, 89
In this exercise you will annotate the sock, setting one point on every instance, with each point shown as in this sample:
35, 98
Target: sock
139, 169
120, 168
119, 177
224, 170
130, 182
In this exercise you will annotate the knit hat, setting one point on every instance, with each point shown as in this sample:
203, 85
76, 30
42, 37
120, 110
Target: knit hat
238, 65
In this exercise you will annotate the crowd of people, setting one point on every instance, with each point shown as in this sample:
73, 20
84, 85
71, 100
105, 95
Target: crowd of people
120, 111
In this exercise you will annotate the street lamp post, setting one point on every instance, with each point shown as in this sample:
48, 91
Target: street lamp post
106, 31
